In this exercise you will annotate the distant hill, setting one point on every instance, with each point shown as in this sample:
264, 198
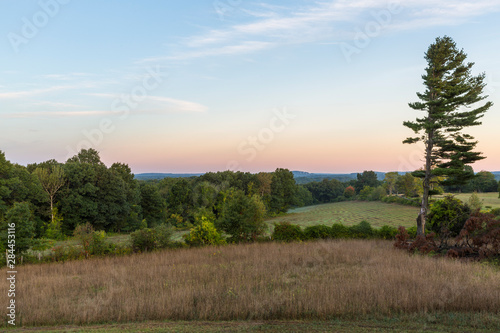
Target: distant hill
497, 175
301, 177
151, 176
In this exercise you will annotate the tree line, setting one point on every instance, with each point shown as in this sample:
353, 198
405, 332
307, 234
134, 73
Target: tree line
56, 197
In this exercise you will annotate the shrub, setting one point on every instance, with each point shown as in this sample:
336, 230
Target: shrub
204, 233
387, 232
481, 235
242, 217
317, 232
447, 217
149, 239
415, 202
53, 229
338, 230
99, 244
163, 235
361, 230
495, 211
93, 242
143, 240
412, 232
474, 203
423, 244
287, 232
83, 232
349, 192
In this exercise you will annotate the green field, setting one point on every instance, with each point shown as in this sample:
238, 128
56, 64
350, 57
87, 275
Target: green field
350, 213
489, 199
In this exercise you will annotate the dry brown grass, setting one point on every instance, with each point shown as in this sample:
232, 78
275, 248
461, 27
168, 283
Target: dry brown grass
257, 281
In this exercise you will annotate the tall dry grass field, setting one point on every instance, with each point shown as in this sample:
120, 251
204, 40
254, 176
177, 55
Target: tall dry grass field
257, 281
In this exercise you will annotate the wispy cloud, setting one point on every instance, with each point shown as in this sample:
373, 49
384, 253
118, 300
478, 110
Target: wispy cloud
55, 114
67, 77
49, 104
26, 93
322, 21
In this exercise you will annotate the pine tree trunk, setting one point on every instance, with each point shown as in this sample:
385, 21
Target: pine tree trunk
422, 216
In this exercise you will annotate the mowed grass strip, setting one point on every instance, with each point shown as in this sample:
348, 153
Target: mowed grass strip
450, 322
352, 212
268, 281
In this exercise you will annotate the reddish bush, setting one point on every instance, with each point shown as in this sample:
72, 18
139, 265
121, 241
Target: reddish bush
478, 239
481, 235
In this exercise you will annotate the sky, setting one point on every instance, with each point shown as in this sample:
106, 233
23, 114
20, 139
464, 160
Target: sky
198, 86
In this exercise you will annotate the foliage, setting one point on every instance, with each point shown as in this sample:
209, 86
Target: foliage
283, 190
339, 230
365, 193
287, 232
95, 194
303, 197
149, 239
53, 229
93, 242
152, 205
361, 230
480, 236
349, 192
377, 194
474, 203
387, 232
52, 179
328, 190
495, 211
242, 217
408, 185
19, 218
203, 234
390, 180
177, 221
447, 217
367, 178
479, 239
319, 231
402, 200
424, 244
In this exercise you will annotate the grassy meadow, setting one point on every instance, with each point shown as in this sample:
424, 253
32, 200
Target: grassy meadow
350, 213
327, 280
490, 199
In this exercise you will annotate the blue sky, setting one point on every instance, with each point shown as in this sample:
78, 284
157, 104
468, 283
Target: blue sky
174, 86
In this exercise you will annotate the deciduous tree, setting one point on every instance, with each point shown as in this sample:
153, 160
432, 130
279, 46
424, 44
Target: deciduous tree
52, 180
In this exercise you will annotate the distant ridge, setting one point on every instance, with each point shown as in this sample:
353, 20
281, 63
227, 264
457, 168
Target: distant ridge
301, 177
151, 176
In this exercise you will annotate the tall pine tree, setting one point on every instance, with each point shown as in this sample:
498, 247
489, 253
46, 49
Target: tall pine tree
450, 104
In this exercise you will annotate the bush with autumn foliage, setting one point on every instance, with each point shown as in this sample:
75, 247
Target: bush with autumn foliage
478, 239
